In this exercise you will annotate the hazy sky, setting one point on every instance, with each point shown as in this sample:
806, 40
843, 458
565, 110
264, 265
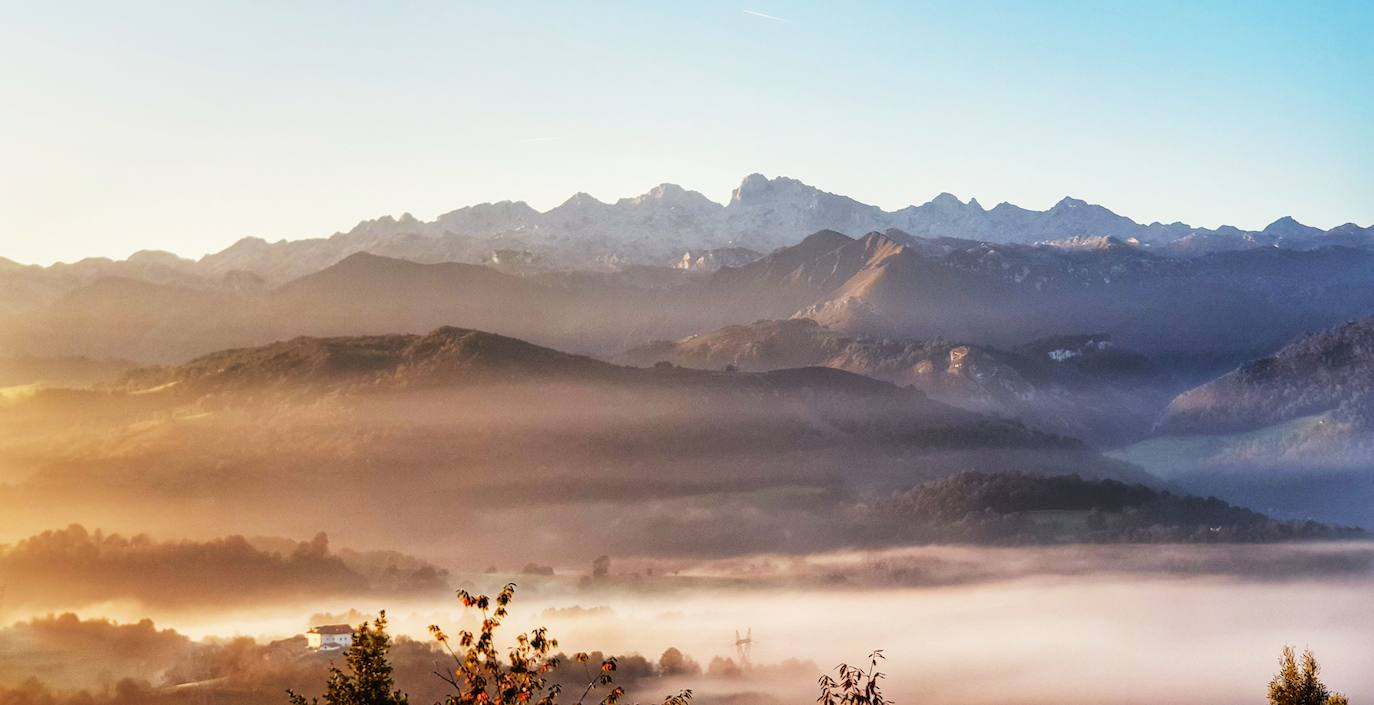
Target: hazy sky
187, 125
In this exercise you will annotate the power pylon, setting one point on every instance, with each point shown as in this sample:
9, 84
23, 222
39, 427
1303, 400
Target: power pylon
743, 648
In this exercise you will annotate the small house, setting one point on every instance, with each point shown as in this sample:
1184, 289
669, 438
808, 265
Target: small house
329, 637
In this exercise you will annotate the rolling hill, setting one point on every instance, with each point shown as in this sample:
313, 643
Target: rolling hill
459, 428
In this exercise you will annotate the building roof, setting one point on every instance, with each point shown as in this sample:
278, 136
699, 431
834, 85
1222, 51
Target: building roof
331, 629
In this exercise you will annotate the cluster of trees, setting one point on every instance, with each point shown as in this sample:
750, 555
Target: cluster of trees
529, 673
80, 566
1015, 508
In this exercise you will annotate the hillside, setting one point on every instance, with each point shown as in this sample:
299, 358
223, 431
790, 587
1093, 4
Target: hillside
1022, 509
1290, 433
1079, 386
1330, 371
371, 361
456, 356
477, 428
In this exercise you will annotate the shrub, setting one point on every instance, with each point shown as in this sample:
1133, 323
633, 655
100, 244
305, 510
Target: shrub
482, 677
1299, 685
852, 685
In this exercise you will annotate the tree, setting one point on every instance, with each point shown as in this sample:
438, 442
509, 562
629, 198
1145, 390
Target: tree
852, 685
368, 680
482, 677
675, 663
1299, 685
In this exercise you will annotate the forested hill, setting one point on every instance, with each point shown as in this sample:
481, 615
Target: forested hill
1015, 508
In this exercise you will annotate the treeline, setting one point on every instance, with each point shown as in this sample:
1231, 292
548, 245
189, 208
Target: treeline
1016, 508
80, 566
67, 660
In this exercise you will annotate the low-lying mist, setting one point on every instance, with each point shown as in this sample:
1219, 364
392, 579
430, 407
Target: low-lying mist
1129, 624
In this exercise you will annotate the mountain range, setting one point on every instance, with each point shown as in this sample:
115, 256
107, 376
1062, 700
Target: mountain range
1165, 344
668, 222
670, 225
1203, 312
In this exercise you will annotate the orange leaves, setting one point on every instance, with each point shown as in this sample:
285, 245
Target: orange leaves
482, 678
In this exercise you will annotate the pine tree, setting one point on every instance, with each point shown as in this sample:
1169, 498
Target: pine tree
1298, 684
368, 680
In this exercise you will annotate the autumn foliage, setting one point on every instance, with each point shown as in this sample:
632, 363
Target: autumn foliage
482, 676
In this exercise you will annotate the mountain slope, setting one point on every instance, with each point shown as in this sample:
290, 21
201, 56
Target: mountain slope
371, 362
1082, 387
1330, 371
463, 433
1291, 433
1018, 509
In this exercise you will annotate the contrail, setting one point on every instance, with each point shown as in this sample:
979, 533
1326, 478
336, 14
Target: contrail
764, 15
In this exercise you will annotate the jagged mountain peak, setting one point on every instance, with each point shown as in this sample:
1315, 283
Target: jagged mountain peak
506, 205
1289, 227
757, 188
671, 195
946, 199
581, 199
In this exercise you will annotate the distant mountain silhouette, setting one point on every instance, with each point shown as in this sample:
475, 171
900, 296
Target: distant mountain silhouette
662, 225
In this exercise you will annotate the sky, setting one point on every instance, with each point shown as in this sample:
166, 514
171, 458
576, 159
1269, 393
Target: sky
185, 126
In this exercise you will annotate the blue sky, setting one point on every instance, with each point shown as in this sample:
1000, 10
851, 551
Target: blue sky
187, 125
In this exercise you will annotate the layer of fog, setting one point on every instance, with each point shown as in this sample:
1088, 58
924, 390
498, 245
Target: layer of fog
1127, 624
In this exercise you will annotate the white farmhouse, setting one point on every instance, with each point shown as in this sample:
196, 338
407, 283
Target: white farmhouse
329, 637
